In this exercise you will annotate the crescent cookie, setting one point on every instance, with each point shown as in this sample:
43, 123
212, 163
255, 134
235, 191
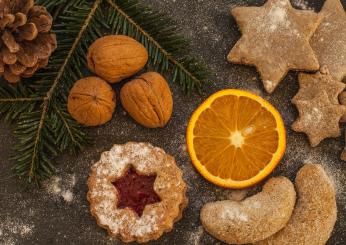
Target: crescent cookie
254, 218
314, 216
136, 192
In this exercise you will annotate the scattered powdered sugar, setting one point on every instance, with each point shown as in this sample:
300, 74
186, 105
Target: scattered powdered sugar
11, 230
314, 116
196, 236
59, 187
146, 159
234, 214
302, 4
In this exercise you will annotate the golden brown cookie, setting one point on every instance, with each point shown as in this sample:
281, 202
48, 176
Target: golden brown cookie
275, 39
318, 118
311, 84
329, 40
254, 218
136, 192
314, 216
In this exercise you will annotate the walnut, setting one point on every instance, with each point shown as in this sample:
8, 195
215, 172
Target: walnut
116, 57
148, 100
91, 101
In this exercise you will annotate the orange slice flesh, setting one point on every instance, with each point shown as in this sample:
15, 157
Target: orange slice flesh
235, 138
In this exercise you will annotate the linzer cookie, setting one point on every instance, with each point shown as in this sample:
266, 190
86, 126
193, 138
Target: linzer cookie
329, 40
318, 118
275, 39
136, 192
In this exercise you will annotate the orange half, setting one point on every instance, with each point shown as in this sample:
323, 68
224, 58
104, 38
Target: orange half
235, 138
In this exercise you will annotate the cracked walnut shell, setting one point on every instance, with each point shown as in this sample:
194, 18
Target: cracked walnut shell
91, 101
148, 99
116, 57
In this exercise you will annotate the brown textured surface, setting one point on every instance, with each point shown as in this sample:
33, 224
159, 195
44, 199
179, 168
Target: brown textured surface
116, 57
213, 32
275, 39
91, 101
329, 41
315, 213
318, 118
148, 99
254, 218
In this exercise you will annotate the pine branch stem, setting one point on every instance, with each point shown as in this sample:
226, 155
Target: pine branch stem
66, 124
73, 48
151, 39
13, 100
50, 93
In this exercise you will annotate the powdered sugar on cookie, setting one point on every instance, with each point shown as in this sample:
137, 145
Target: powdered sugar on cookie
157, 217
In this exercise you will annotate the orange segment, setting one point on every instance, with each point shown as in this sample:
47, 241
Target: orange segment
235, 138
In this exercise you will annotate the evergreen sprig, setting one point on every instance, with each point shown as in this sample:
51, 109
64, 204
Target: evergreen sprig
44, 127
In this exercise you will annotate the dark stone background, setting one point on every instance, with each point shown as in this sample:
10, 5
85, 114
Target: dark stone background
32, 216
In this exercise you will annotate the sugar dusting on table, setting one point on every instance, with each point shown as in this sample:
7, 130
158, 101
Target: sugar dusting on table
61, 187
302, 4
11, 230
195, 236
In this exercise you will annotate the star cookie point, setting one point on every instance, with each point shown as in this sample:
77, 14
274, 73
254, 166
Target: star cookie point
275, 39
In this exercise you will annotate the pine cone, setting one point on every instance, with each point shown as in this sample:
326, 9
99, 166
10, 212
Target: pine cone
26, 42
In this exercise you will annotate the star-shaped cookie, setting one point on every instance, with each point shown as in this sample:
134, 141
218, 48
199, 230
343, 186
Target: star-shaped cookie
275, 39
311, 84
318, 118
329, 40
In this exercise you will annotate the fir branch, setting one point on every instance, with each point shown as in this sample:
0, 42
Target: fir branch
68, 132
44, 126
15, 99
158, 34
49, 129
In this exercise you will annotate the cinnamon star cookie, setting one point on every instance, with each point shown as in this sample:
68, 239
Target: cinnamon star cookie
275, 39
318, 118
311, 84
136, 192
329, 40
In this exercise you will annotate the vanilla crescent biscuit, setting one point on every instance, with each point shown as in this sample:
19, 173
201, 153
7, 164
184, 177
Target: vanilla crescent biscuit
254, 218
315, 214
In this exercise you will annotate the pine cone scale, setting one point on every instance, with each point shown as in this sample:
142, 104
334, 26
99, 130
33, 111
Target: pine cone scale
8, 57
10, 42
26, 42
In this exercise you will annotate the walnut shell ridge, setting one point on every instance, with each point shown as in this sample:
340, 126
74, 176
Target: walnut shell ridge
148, 100
116, 57
91, 101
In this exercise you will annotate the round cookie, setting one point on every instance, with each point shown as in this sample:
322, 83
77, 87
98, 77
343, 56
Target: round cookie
314, 216
155, 178
254, 218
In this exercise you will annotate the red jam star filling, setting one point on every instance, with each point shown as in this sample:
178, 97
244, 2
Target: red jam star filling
136, 191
